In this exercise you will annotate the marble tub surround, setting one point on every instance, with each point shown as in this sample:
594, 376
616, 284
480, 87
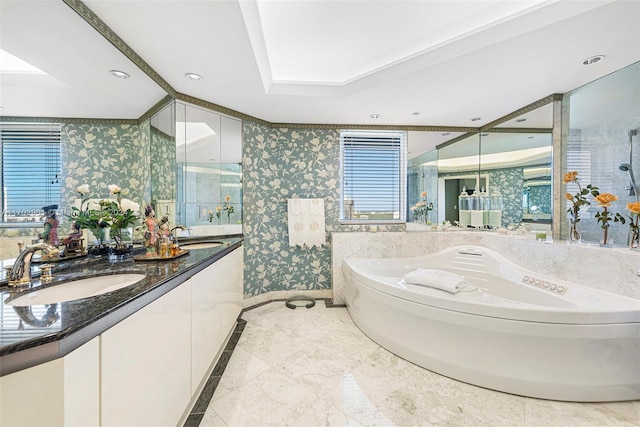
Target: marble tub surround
23, 345
607, 269
314, 367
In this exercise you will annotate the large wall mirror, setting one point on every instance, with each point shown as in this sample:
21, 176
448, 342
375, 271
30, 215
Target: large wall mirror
504, 171
54, 64
56, 68
208, 165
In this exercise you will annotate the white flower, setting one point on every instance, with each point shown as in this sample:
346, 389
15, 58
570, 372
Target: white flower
83, 189
126, 204
93, 205
114, 189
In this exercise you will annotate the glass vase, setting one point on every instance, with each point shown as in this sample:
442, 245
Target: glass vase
574, 234
606, 241
634, 240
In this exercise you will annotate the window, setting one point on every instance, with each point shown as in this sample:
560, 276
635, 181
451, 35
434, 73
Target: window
30, 170
373, 176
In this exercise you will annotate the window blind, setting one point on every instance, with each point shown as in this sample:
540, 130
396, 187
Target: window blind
373, 175
30, 170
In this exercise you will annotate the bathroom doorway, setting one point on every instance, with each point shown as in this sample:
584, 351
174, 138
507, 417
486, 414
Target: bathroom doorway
450, 187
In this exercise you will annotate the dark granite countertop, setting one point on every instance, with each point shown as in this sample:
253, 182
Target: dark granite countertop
36, 334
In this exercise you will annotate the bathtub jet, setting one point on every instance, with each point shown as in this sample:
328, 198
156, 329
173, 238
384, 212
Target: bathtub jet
506, 328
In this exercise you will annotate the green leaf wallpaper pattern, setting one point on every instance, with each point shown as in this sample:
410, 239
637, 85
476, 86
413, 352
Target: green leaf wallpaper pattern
280, 163
99, 155
163, 161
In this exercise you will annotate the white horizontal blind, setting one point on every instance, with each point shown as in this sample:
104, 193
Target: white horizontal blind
373, 175
30, 169
579, 161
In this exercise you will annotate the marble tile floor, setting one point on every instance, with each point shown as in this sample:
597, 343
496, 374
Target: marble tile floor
314, 367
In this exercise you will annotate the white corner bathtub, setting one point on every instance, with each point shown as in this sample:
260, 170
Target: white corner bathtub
510, 329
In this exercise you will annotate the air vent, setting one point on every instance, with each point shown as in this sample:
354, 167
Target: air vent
593, 60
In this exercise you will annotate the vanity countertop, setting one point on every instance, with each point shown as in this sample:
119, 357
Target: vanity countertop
36, 334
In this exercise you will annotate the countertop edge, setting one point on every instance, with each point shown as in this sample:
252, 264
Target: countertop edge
68, 340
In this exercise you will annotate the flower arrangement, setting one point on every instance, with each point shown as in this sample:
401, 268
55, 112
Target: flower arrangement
604, 217
116, 215
228, 207
634, 208
217, 214
577, 201
422, 208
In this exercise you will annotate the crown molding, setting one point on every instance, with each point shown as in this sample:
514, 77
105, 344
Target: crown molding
219, 108
156, 108
73, 120
519, 130
92, 19
527, 109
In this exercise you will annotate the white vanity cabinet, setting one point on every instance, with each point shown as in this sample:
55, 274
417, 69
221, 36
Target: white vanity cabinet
146, 370
216, 302
155, 362
63, 392
145, 364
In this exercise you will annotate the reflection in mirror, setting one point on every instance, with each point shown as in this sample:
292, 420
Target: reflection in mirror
422, 174
163, 160
536, 194
504, 159
208, 157
458, 173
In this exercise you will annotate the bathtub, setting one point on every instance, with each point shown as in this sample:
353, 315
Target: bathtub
510, 329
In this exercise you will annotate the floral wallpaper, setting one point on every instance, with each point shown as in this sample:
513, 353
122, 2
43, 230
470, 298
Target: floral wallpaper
99, 155
508, 182
163, 161
280, 163
540, 195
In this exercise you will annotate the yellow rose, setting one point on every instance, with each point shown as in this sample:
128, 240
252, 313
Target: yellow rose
570, 176
218, 208
634, 207
605, 199
568, 196
227, 198
423, 194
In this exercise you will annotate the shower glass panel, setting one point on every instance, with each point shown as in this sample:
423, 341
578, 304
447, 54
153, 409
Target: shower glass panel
601, 121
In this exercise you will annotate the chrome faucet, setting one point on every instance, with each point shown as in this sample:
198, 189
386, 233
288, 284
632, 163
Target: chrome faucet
177, 227
21, 271
175, 237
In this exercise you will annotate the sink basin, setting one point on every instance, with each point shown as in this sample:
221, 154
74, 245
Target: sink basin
77, 289
200, 245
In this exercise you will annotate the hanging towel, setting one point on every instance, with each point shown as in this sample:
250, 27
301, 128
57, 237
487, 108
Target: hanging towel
306, 222
438, 279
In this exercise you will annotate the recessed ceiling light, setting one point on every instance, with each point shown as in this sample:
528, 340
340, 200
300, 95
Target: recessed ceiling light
193, 76
593, 60
530, 137
484, 134
521, 120
374, 116
446, 134
119, 74
415, 113
475, 119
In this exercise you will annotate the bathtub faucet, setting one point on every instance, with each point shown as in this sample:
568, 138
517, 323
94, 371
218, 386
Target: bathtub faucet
21, 270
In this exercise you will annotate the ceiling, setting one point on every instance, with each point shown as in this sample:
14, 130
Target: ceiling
414, 63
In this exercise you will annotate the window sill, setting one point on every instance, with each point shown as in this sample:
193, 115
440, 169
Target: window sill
371, 221
21, 224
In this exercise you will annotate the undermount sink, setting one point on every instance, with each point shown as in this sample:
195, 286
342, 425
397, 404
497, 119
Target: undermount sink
200, 245
77, 289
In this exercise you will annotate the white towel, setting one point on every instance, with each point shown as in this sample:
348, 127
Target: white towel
306, 222
438, 279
